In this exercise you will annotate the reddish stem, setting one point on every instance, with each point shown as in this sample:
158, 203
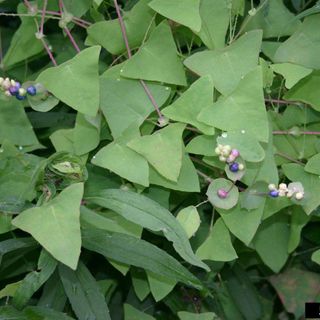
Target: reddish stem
49, 52
45, 3
66, 30
285, 156
302, 132
204, 176
27, 4
126, 41
76, 20
150, 96
279, 101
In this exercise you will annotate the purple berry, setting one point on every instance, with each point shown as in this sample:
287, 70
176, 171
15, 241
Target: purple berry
222, 193
235, 153
274, 193
234, 167
20, 97
31, 90
14, 90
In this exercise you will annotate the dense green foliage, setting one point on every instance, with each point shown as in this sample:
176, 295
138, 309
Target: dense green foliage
160, 159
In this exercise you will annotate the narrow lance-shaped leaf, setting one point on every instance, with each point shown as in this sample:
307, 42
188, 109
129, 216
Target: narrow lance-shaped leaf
34, 280
149, 214
133, 251
84, 294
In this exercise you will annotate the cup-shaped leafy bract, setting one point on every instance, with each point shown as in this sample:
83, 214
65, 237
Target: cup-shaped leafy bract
232, 197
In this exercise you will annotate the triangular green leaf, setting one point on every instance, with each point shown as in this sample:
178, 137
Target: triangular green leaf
188, 106
303, 47
131, 313
76, 82
163, 150
291, 72
124, 102
306, 91
271, 241
241, 222
215, 16
157, 59
23, 44
189, 219
123, 161
185, 12
86, 133
14, 124
248, 146
218, 245
56, 226
188, 180
160, 286
298, 220
243, 110
274, 19
137, 22
229, 65
313, 165
203, 145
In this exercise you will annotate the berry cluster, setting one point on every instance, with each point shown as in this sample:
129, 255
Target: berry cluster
294, 189
14, 88
229, 155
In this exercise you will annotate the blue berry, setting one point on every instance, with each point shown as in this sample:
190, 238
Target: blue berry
32, 91
234, 167
274, 193
20, 97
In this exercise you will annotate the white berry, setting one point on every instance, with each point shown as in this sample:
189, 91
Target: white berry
299, 195
282, 193
272, 186
22, 92
241, 166
290, 194
217, 150
6, 84
222, 158
282, 186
